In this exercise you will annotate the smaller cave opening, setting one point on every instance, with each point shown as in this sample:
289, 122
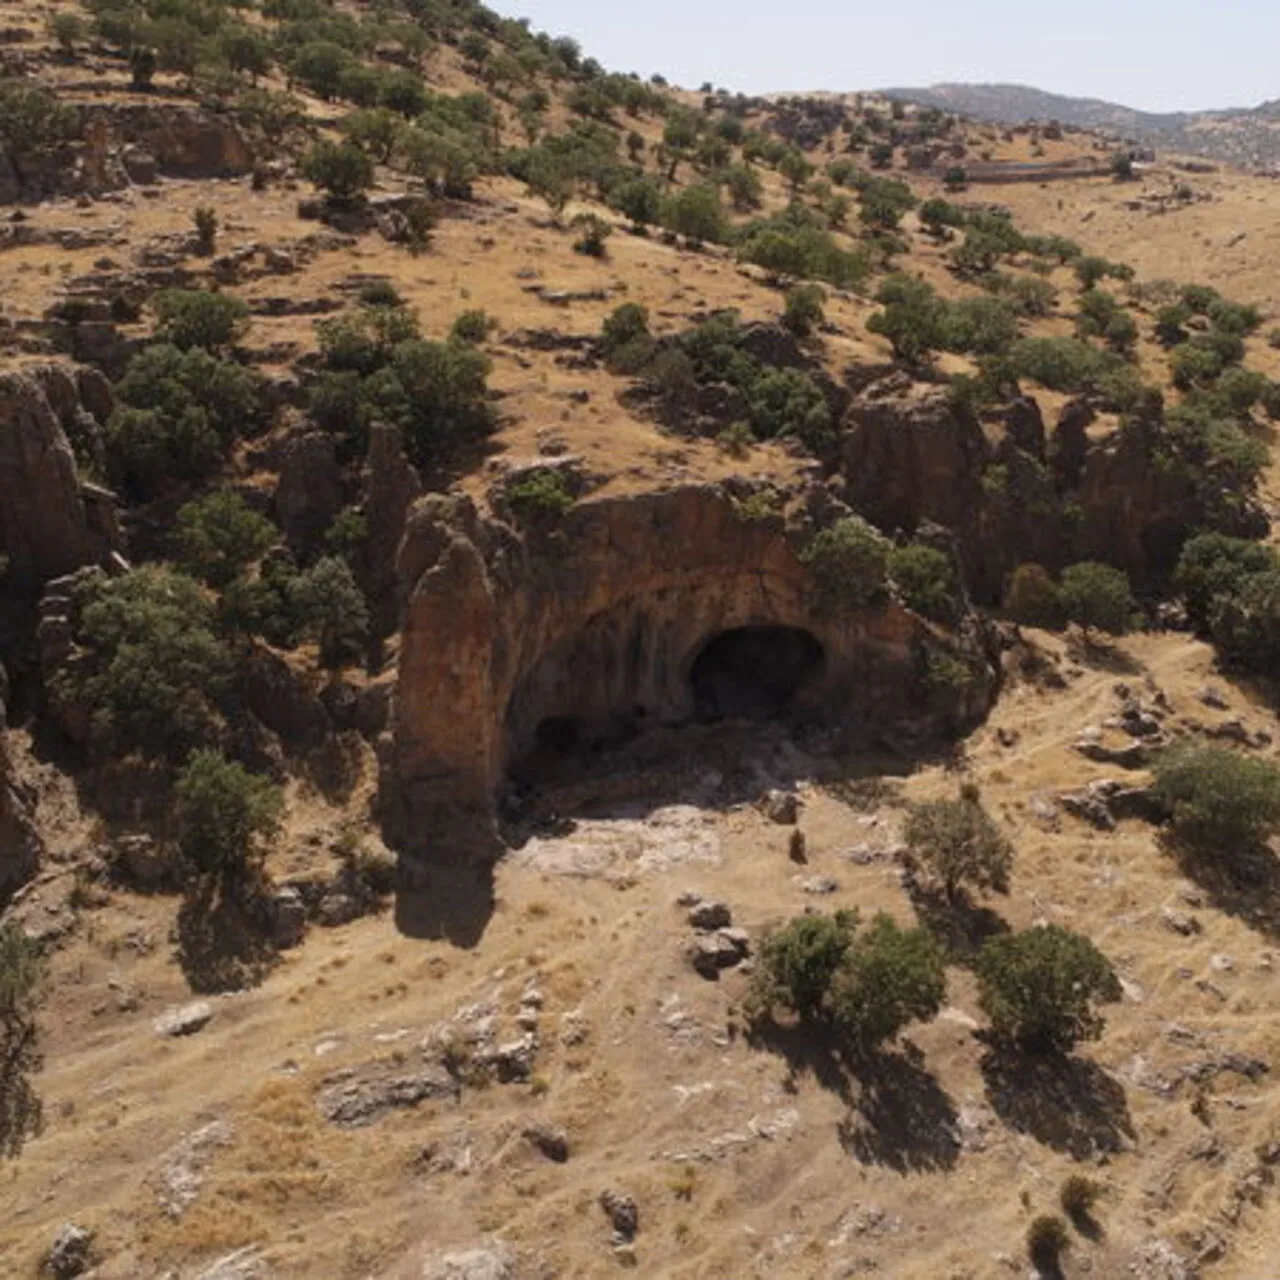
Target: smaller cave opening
753, 673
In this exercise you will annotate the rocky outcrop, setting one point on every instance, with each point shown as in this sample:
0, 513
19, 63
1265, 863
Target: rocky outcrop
392, 487
309, 494
50, 523
117, 144
20, 845
513, 642
911, 454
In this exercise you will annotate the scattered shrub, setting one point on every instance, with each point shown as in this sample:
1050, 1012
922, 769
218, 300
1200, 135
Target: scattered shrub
219, 536
804, 309
1042, 987
926, 580
22, 971
592, 231
960, 844
1078, 1196
472, 327
797, 964
1047, 1240
1246, 625
1096, 597
227, 816
197, 318
850, 563
888, 978
155, 671
1222, 803
342, 169
1032, 598
206, 224
1214, 565
540, 496
330, 608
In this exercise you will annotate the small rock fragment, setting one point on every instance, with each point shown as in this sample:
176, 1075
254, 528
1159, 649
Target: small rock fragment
551, 1142
1180, 922
623, 1215
71, 1253
185, 1020
710, 915
782, 807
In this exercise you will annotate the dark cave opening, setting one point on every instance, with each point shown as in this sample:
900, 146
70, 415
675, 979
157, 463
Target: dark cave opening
753, 673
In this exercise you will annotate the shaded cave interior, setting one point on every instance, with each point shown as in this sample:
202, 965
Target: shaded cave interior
577, 707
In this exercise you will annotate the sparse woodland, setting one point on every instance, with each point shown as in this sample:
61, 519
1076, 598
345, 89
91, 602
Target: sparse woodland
311, 308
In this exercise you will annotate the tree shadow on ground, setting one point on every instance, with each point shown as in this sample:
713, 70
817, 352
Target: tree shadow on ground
222, 944
1067, 1103
21, 1110
1099, 655
903, 1118
960, 926
451, 903
899, 1115
1245, 885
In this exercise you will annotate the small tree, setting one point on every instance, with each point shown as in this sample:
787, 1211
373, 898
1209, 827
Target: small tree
887, 979
955, 179
804, 308
192, 318
227, 816
926, 580
1221, 803
471, 327
142, 68
1042, 987
849, 563
960, 844
592, 231
206, 224
1078, 1196
797, 963
68, 29
1214, 565
1047, 1240
1097, 597
1032, 598
219, 536
696, 214
341, 169
331, 608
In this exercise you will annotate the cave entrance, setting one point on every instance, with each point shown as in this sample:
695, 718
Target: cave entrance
753, 673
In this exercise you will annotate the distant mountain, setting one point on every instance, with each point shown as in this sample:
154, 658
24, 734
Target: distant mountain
1249, 137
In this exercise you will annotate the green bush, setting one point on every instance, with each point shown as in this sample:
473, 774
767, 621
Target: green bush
592, 231
197, 318
32, 122
937, 215
797, 964
1047, 1240
888, 978
1059, 364
155, 672
1042, 987
1032, 598
342, 169
1078, 1196
540, 496
788, 402
639, 199
375, 130
696, 213
804, 309
959, 844
219, 536
472, 326
926, 580
227, 816
1097, 597
177, 413
849, 563
1214, 565
1246, 625
1222, 803
914, 318
330, 609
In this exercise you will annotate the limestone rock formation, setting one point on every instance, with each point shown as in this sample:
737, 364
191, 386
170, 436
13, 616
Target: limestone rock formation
911, 454
50, 523
514, 643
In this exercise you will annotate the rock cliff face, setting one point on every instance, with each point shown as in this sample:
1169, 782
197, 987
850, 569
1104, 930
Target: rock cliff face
20, 847
910, 455
639, 610
50, 523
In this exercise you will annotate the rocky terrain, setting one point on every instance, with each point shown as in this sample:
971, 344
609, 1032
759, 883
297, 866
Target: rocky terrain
486, 542
1245, 137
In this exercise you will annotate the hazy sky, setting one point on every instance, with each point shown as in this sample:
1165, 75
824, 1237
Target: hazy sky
1158, 55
